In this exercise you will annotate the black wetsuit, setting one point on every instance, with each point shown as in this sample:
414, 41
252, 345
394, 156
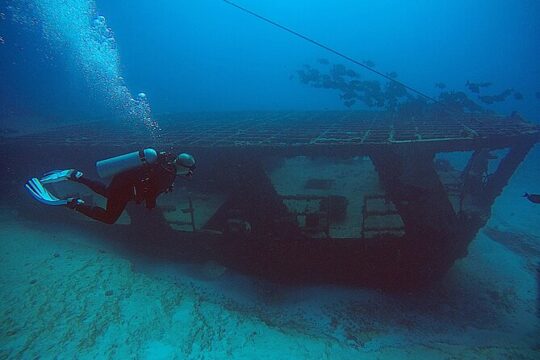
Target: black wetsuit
141, 184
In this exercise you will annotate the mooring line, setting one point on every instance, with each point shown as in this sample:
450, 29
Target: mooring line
327, 48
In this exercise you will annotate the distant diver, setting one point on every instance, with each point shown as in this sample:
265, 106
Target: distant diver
137, 176
535, 198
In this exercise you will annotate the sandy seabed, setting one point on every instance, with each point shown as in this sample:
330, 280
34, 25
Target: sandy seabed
70, 295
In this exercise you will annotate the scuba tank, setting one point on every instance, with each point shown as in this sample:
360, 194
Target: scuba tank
117, 164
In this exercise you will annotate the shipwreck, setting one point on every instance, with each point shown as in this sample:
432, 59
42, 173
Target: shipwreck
361, 198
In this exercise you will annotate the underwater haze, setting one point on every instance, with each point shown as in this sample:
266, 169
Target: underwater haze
207, 55
74, 72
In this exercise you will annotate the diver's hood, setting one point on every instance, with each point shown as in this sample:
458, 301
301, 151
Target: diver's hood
185, 164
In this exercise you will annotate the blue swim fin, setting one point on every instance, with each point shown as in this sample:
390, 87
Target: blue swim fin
36, 189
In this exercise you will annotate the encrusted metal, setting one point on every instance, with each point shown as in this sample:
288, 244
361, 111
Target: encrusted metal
297, 129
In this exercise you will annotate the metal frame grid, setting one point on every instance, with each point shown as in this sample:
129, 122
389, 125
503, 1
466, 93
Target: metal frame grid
282, 129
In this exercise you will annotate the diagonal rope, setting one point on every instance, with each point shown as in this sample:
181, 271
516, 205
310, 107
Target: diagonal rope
327, 48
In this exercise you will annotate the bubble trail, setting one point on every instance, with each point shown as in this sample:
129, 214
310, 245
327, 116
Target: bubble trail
74, 28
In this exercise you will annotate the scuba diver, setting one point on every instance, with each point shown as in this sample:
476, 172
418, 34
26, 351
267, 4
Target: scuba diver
138, 176
534, 198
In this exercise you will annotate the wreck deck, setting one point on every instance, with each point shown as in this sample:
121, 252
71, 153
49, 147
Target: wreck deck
299, 132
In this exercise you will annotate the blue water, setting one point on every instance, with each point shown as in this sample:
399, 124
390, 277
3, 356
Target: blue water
207, 55
67, 61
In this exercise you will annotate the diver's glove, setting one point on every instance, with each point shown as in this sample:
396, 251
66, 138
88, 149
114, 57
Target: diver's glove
75, 175
72, 203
